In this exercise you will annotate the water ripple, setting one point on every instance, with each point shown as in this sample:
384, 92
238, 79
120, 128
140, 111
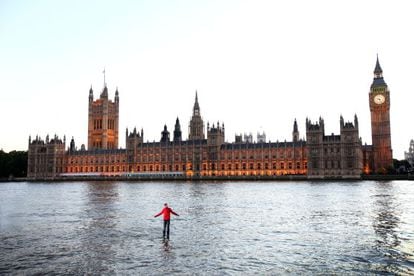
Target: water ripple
223, 229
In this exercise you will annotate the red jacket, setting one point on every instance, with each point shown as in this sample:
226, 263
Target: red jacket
167, 211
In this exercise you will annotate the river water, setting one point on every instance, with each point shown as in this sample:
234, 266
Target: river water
224, 228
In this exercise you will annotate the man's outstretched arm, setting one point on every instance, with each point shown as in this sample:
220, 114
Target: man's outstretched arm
159, 214
174, 213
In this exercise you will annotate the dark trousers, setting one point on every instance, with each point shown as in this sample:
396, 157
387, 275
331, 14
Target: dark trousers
166, 229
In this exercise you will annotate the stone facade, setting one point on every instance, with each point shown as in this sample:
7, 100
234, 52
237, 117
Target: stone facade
320, 156
379, 105
334, 155
103, 117
46, 158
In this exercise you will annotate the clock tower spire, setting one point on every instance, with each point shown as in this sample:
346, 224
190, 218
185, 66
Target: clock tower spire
379, 104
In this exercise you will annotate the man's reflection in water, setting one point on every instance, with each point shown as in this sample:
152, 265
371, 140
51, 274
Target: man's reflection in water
99, 234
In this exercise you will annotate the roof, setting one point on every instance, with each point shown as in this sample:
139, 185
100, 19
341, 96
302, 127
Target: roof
231, 146
378, 69
378, 82
98, 151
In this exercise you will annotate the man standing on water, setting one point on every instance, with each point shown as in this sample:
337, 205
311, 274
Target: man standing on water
166, 212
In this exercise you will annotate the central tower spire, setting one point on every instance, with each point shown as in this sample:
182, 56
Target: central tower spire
196, 128
196, 108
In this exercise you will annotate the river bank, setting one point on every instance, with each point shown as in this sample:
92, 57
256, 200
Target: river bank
211, 178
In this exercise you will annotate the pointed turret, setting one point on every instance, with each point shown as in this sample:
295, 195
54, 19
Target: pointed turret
91, 94
378, 69
356, 121
196, 129
72, 145
116, 95
378, 78
196, 108
295, 126
177, 131
295, 132
165, 135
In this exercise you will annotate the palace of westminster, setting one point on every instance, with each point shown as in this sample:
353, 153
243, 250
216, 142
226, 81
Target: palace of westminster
205, 154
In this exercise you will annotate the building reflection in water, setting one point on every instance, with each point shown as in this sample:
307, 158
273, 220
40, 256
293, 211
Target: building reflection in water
386, 216
386, 224
100, 220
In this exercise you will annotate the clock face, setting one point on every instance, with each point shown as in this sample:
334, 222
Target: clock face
379, 99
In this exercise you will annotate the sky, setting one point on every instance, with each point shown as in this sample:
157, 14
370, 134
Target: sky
257, 65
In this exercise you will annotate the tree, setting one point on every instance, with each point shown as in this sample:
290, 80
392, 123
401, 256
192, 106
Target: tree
13, 164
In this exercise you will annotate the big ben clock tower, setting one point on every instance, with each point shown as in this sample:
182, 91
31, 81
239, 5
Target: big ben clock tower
379, 104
